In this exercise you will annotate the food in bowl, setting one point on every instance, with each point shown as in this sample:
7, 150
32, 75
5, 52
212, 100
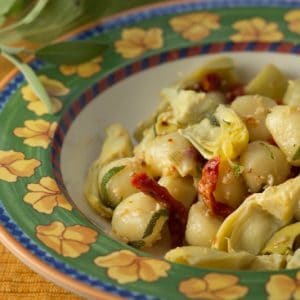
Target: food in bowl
216, 164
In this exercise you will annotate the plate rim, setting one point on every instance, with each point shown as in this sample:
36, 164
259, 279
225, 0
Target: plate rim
16, 247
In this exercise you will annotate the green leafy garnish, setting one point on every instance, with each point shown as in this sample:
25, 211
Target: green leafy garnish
269, 150
71, 53
213, 120
137, 244
237, 169
106, 178
155, 217
296, 155
31, 78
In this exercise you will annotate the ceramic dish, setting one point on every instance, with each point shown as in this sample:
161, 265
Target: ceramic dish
44, 158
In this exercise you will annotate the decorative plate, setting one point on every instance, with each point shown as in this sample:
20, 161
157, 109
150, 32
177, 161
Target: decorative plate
44, 158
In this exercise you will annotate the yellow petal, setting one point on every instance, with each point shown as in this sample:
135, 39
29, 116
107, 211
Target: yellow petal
153, 269
128, 49
32, 198
63, 203
192, 287
271, 37
133, 35
118, 258
81, 234
180, 24
23, 132
39, 126
233, 292
28, 94
23, 168
38, 141
52, 242
8, 157
45, 204
49, 184
73, 249
54, 87
217, 281
242, 38
294, 26
55, 228
153, 38
67, 70
293, 15
6, 175
124, 274
88, 69
40, 108
196, 33
280, 287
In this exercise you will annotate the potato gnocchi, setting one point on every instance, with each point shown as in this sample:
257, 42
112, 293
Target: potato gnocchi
215, 170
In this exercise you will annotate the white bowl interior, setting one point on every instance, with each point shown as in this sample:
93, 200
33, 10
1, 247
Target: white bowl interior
132, 100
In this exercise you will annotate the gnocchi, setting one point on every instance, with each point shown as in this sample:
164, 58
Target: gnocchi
214, 172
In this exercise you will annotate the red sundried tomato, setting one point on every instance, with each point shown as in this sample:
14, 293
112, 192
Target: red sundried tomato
207, 186
177, 212
234, 91
210, 82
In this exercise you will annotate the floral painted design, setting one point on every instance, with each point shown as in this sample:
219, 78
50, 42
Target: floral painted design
213, 286
125, 266
283, 287
136, 41
13, 165
83, 70
45, 196
256, 29
54, 89
293, 20
195, 26
36, 133
68, 241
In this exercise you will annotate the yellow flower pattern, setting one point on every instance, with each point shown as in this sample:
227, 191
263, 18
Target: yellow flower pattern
45, 196
13, 165
213, 286
136, 41
83, 70
293, 20
54, 89
256, 29
36, 133
283, 287
68, 241
195, 26
125, 266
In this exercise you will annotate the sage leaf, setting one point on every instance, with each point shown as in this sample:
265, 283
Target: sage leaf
31, 78
71, 53
30, 17
296, 155
5, 6
13, 50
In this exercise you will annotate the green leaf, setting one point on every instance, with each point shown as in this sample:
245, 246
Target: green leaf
12, 50
237, 169
155, 217
5, 6
71, 53
30, 17
296, 155
32, 79
106, 178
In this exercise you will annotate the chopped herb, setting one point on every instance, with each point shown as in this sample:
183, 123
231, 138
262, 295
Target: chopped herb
213, 120
106, 178
137, 244
269, 150
155, 217
237, 169
297, 154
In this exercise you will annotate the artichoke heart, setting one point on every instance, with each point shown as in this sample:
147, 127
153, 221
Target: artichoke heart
227, 136
284, 240
258, 218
